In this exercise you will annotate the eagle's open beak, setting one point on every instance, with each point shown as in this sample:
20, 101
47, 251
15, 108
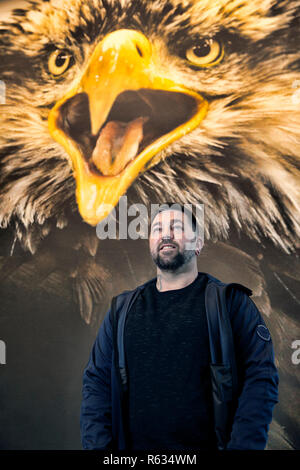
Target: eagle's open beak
118, 118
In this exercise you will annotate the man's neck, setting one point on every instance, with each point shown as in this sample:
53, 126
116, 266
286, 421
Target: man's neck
174, 280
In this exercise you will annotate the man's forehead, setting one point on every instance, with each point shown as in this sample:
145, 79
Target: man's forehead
170, 215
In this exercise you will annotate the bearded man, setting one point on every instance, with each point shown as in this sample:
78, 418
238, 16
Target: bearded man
183, 362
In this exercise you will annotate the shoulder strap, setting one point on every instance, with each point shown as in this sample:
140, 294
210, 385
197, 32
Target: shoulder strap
219, 328
223, 362
119, 308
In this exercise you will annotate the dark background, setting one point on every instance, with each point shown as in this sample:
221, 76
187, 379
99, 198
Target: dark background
48, 342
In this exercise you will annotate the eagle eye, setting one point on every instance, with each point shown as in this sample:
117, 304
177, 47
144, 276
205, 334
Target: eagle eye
59, 61
205, 53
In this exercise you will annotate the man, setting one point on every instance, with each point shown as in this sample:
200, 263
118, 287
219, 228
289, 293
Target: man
161, 376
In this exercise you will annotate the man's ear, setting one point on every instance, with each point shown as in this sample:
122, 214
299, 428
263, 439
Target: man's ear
199, 245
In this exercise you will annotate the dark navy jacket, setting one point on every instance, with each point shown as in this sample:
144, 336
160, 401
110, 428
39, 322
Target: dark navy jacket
243, 373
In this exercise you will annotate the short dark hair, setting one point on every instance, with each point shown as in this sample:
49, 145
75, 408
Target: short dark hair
180, 207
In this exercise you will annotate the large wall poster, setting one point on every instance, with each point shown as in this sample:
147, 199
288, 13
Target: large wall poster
197, 101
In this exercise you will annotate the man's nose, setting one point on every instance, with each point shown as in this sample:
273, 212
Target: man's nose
167, 232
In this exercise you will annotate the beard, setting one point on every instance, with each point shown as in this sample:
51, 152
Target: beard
173, 262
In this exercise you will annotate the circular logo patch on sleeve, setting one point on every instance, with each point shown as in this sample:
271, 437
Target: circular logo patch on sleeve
263, 332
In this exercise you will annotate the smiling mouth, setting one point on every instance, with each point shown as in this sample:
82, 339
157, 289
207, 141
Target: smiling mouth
135, 121
167, 248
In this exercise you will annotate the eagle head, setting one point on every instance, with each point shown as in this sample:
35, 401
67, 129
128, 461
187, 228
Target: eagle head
192, 99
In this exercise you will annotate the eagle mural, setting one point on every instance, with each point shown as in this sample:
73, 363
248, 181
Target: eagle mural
192, 100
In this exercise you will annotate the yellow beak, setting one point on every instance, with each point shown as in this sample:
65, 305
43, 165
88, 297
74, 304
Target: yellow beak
120, 80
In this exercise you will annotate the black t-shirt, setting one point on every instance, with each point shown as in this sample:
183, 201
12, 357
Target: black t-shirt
167, 354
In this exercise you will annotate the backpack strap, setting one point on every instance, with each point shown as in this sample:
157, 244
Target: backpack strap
219, 326
120, 306
223, 362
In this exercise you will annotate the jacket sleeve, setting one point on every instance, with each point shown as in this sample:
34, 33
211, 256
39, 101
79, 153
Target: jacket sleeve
95, 413
259, 376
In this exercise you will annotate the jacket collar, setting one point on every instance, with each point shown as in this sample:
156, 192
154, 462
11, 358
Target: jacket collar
210, 279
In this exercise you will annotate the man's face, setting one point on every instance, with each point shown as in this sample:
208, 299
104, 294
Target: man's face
170, 240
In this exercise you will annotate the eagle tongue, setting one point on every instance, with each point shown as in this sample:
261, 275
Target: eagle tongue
117, 144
